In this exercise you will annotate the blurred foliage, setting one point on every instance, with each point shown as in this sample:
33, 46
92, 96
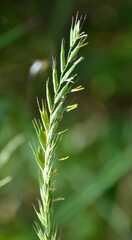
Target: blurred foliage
6, 153
96, 179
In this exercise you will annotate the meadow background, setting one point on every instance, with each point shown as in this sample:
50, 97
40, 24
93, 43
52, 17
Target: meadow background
97, 178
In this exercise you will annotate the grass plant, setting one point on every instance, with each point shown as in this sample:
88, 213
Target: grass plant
51, 112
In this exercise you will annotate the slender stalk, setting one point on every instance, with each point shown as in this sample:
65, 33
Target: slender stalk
51, 113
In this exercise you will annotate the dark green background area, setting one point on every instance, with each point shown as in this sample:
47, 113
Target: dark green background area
96, 180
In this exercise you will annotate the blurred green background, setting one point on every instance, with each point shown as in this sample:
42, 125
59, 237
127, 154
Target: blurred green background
97, 179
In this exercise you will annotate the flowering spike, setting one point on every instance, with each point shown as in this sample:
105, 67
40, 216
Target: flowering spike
46, 129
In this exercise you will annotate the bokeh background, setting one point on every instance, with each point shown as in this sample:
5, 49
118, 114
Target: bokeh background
97, 179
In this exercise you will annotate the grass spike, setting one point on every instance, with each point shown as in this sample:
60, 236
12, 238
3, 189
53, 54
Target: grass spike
46, 129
